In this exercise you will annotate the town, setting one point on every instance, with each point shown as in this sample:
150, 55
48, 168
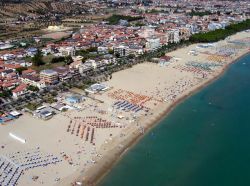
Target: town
36, 67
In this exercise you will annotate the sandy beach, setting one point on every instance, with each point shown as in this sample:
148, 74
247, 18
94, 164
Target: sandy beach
83, 145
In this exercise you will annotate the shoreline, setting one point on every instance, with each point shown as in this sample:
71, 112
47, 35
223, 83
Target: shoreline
97, 172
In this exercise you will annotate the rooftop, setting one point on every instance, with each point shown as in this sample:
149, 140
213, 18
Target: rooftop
48, 71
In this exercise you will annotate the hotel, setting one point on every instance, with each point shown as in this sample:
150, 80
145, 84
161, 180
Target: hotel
49, 76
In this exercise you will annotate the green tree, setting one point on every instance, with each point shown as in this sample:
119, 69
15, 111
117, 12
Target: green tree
33, 88
57, 59
92, 49
68, 60
117, 55
114, 19
5, 93
131, 56
111, 51
54, 93
38, 59
220, 34
21, 69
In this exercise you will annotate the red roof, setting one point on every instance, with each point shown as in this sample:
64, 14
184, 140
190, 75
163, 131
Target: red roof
28, 71
166, 57
11, 66
20, 88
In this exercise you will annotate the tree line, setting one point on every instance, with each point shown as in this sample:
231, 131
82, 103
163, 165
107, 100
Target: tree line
220, 34
114, 19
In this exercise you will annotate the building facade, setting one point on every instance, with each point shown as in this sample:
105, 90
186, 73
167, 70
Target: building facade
49, 76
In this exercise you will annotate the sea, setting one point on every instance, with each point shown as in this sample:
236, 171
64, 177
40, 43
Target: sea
204, 141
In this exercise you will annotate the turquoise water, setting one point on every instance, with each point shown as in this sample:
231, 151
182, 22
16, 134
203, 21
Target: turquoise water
205, 141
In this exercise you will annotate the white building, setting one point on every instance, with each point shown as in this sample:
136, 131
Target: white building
121, 50
214, 26
67, 51
136, 50
147, 32
32, 80
173, 36
153, 44
103, 50
84, 68
19, 91
7, 57
192, 28
4, 46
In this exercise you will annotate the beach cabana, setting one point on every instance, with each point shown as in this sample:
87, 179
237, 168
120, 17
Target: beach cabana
15, 114
73, 99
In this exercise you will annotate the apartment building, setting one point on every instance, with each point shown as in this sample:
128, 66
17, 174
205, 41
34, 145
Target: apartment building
49, 76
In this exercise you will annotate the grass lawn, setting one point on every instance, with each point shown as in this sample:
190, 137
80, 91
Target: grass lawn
32, 106
47, 66
47, 59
